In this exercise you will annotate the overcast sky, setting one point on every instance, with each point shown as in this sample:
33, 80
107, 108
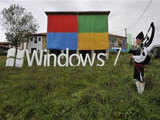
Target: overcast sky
124, 13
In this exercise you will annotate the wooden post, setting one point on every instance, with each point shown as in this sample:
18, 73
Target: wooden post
92, 52
107, 54
62, 51
77, 52
46, 52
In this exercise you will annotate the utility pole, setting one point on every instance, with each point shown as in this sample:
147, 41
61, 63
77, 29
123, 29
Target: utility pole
125, 30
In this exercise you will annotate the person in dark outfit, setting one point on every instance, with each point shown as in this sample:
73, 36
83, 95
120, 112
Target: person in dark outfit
141, 55
139, 60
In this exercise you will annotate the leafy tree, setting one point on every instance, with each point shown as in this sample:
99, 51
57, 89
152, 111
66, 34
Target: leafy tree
18, 24
156, 52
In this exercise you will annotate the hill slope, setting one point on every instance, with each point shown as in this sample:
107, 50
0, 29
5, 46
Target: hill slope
79, 93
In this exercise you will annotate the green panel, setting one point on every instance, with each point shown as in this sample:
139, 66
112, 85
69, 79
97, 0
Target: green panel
92, 23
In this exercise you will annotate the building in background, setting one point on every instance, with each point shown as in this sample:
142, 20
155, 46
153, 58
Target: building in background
37, 42
4, 46
117, 41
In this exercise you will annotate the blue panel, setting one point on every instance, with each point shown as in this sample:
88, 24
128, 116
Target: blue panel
61, 41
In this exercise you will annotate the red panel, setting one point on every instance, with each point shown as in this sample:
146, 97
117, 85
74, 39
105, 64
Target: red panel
62, 23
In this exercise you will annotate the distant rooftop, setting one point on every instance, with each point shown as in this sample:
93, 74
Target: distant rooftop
114, 35
39, 34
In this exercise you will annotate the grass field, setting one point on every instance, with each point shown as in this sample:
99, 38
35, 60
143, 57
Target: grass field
79, 93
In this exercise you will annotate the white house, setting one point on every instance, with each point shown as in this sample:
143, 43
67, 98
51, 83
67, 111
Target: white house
37, 42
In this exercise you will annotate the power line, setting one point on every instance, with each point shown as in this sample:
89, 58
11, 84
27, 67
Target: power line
135, 24
146, 8
141, 15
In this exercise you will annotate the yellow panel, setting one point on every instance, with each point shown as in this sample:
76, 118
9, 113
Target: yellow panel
93, 41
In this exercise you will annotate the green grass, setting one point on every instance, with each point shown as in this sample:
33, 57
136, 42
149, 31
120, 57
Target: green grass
79, 93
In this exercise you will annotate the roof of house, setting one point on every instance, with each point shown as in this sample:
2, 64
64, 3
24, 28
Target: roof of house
4, 43
114, 35
39, 34
78, 12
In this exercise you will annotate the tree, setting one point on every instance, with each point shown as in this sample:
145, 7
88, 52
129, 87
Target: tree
156, 52
18, 24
